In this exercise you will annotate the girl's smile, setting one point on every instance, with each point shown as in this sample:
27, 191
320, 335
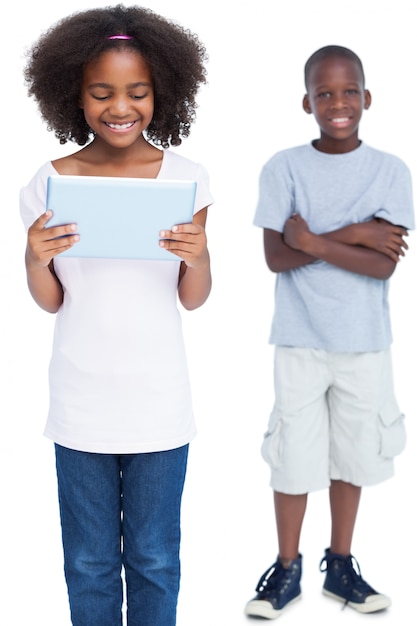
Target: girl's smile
121, 127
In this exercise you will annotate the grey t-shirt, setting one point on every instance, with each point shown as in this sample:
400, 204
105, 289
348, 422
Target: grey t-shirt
319, 305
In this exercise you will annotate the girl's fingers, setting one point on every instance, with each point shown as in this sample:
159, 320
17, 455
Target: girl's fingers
56, 232
39, 228
182, 229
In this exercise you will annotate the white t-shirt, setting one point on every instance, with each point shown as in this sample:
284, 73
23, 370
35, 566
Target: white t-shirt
118, 373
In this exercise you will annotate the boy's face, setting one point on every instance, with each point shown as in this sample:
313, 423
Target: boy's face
336, 96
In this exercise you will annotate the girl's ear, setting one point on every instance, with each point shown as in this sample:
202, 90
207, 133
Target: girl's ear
368, 99
306, 104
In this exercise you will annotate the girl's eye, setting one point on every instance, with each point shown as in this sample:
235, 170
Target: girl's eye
108, 96
352, 92
323, 94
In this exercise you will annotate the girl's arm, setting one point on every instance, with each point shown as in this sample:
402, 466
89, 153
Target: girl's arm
189, 242
44, 286
43, 245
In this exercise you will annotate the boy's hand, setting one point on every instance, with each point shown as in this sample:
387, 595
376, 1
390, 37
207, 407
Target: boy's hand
382, 236
296, 232
45, 243
187, 241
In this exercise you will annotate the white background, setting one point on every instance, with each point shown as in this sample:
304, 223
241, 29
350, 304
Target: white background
250, 109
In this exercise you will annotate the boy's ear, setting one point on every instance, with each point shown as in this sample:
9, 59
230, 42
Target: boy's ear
368, 99
306, 104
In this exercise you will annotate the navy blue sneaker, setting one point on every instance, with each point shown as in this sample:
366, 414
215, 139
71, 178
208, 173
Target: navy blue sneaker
344, 583
277, 588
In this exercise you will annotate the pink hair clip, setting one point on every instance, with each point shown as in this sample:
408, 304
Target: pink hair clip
120, 37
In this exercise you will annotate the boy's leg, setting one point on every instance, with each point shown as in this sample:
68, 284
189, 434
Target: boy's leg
152, 486
289, 515
344, 504
366, 433
343, 581
89, 498
296, 442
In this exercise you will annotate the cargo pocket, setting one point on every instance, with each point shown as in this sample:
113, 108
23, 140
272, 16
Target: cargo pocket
392, 431
272, 444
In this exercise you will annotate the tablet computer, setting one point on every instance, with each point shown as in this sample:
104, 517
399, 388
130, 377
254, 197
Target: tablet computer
119, 217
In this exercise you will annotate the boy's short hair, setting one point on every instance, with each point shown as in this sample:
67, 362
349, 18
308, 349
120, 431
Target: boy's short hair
331, 51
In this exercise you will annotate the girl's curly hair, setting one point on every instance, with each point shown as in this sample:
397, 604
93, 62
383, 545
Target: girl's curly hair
176, 57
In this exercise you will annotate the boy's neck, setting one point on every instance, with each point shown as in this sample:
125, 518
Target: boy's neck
329, 146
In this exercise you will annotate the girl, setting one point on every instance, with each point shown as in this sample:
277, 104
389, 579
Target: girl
113, 80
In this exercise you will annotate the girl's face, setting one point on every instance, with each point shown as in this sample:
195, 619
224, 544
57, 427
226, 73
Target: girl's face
117, 97
337, 98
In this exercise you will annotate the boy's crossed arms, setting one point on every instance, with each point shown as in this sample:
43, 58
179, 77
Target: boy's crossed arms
370, 248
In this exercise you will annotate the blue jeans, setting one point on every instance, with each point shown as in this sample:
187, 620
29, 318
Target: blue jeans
121, 511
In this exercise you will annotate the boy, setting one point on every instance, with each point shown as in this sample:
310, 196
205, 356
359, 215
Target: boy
335, 214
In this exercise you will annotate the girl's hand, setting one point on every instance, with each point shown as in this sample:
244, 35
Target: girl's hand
45, 243
187, 241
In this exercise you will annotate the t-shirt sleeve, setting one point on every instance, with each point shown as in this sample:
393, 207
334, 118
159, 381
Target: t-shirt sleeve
33, 197
276, 195
203, 197
398, 206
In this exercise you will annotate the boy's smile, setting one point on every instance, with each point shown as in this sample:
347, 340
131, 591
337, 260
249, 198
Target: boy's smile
336, 97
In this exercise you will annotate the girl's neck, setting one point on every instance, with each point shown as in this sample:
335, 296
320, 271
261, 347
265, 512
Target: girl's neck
141, 160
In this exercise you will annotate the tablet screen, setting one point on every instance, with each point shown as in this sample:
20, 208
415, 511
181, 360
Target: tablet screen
119, 217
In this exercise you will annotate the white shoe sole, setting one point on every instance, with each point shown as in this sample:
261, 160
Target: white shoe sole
372, 604
263, 608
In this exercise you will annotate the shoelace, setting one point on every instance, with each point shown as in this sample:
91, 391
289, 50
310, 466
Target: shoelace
352, 578
272, 575
265, 579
